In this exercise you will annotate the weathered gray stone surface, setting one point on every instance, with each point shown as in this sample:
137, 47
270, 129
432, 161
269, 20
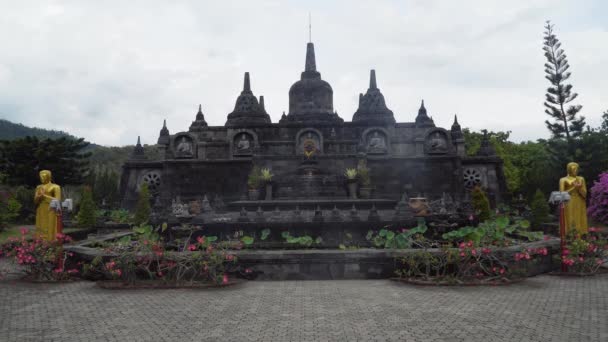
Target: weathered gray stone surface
543, 308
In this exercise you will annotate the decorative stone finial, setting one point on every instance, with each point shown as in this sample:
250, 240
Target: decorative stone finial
311, 64
262, 103
199, 123
138, 151
372, 79
163, 137
138, 141
423, 120
246, 83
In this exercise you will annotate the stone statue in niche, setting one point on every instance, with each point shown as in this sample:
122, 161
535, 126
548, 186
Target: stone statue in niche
377, 143
184, 147
437, 143
309, 144
243, 144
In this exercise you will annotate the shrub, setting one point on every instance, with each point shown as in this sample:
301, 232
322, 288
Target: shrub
9, 209
585, 254
481, 205
87, 214
598, 203
203, 260
120, 216
28, 209
142, 208
468, 263
540, 209
255, 178
40, 259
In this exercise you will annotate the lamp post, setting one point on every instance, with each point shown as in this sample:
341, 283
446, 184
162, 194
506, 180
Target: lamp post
561, 198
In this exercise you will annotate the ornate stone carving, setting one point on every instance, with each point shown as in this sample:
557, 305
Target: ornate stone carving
436, 143
376, 142
153, 180
184, 147
243, 144
472, 177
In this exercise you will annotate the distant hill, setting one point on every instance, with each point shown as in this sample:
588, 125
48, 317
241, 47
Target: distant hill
102, 157
11, 131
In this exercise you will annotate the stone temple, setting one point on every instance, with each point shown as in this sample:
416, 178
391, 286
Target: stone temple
308, 151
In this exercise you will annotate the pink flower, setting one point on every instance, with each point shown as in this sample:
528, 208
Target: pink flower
565, 252
474, 252
546, 237
159, 274
486, 251
581, 259
461, 245
229, 257
200, 240
471, 218
192, 248
248, 270
594, 229
462, 254
599, 261
58, 270
502, 271
23, 231
225, 279
118, 272
469, 243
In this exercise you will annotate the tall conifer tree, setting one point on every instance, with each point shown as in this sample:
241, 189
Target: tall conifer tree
565, 121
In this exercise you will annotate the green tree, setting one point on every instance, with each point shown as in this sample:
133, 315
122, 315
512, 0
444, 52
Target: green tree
540, 209
22, 159
142, 208
559, 94
604, 126
481, 205
86, 214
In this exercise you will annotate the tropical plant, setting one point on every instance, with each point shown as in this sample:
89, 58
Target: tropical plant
120, 216
266, 175
350, 173
364, 178
585, 254
40, 259
304, 240
494, 232
386, 238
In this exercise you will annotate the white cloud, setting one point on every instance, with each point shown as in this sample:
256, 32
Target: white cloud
109, 71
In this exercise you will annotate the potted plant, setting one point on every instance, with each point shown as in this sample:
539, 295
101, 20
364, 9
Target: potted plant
253, 182
351, 181
365, 190
266, 177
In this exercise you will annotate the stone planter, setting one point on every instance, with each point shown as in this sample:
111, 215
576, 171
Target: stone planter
254, 194
352, 189
268, 192
365, 192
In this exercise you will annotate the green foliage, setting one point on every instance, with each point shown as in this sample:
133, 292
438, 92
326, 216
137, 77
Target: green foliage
401, 240
266, 175
104, 183
142, 208
565, 123
265, 234
25, 197
364, 177
86, 215
9, 210
304, 240
247, 240
350, 173
145, 232
255, 178
540, 209
493, 232
120, 216
21, 160
481, 205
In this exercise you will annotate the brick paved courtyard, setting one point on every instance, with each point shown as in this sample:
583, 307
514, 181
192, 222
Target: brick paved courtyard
543, 308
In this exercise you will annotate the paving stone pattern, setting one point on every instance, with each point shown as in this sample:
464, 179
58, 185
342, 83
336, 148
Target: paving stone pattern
543, 308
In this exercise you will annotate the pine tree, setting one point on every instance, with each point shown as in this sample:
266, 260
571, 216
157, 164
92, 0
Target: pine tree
565, 121
142, 209
540, 209
86, 214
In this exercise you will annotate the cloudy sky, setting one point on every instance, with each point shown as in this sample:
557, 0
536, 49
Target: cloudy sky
111, 70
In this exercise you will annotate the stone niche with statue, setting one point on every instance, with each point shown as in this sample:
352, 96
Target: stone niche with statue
308, 152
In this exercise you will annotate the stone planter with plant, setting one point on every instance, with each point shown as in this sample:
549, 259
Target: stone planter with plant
266, 178
351, 182
253, 182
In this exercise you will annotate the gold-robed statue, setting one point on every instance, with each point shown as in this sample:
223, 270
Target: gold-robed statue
48, 207
576, 209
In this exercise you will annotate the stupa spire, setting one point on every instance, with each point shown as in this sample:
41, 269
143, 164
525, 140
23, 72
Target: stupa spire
423, 120
372, 79
311, 64
246, 83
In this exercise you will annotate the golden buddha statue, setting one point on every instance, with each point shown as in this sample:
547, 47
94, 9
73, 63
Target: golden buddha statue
576, 209
48, 206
